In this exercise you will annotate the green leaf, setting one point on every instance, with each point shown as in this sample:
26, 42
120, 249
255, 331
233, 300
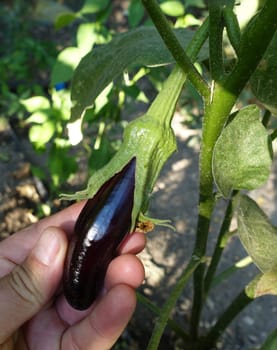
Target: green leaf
101, 156
264, 80
135, 13
263, 284
141, 46
86, 37
39, 117
257, 234
41, 134
173, 8
242, 156
38, 172
271, 342
36, 103
65, 65
94, 6
64, 19
103, 98
61, 165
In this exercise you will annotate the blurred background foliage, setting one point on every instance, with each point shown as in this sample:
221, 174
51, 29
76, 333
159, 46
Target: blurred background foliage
42, 43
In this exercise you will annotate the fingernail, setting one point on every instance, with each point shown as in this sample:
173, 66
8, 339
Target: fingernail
48, 246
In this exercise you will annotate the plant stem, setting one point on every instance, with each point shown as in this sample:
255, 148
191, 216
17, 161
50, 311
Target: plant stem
155, 309
218, 248
170, 303
274, 135
174, 46
254, 42
171, 90
266, 118
172, 87
200, 248
230, 270
237, 305
220, 245
168, 96
232, 27
215, 39
198, 40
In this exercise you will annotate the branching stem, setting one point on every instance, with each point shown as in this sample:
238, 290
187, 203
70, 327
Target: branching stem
175, 48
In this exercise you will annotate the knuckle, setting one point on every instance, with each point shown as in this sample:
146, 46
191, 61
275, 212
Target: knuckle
69, 342
23, 282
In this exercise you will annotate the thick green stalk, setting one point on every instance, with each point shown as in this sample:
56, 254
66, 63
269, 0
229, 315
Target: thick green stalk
218, 248
174, 46
225, 92
170, 303
215, 39
168, 96
237, 305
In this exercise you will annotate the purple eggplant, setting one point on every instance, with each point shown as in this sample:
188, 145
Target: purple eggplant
100, 228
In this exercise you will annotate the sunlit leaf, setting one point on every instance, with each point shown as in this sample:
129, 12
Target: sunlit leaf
39, 117
173, 8
242, 154
66, 62
41, 134
263, 284
142, 46
36, 103
102, 98
257, 234
86, 36
94, 6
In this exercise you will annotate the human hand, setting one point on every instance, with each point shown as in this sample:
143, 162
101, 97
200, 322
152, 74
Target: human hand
33, 311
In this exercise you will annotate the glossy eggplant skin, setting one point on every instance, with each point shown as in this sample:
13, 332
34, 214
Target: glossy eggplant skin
100, 228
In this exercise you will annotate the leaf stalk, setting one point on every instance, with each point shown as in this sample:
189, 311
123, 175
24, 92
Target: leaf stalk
174, 47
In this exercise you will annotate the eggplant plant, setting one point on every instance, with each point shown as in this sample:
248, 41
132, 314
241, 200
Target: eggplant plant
236, 145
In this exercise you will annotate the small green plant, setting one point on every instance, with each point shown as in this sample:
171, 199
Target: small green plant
236, 144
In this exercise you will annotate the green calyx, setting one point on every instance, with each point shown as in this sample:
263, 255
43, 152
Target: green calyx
151, 140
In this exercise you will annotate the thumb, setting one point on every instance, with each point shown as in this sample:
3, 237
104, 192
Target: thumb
25, 290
